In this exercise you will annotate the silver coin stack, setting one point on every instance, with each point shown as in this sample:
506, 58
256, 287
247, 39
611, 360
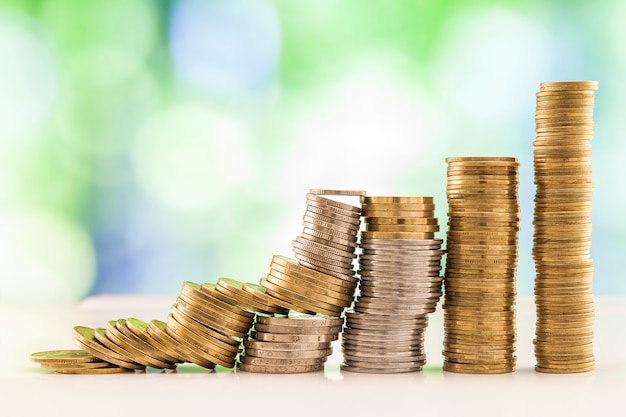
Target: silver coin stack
400, 284
328, 240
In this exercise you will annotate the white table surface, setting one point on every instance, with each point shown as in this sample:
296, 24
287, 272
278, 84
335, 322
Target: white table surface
26, 389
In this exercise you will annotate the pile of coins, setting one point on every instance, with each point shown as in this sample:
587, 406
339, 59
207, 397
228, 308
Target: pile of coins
481, 262
399, 285
562, 222
294, 344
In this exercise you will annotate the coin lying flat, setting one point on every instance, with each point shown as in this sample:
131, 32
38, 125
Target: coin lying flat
562, 227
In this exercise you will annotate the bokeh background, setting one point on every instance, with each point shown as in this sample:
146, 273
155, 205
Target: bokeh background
148, 142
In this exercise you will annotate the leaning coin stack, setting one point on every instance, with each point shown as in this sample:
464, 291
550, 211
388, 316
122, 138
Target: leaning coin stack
286, 345
481, 263
212, 328
305, 290
322, 279
399, 285
329, 235
562, 222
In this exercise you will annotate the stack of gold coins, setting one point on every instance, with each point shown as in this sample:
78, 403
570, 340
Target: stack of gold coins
481, 263
400, 284
212, 328
75, 362
112, 345
286, 345
299, 288
251, 297
562, 221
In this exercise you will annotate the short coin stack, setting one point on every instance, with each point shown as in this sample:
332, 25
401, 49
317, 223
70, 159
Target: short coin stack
75, 362
210, 327
400, 284
294, 344
562, 221
483, 225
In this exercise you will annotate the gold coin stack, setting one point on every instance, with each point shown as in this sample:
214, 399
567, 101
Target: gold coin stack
214, 329
119, 345
562, 221
286, 345
481, 263
399, 285
75, 362
302, 289
249, 296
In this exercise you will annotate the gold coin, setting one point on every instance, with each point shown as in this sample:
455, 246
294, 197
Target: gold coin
330, 223
68, 356
569, 85
294, 337
397, 199
94, 371
397, 207
330, 214
397, 235
142, 343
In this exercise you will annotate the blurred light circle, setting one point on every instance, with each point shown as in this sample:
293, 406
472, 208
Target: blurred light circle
225, 46
489, 62
27, 78
189, 157
46, 258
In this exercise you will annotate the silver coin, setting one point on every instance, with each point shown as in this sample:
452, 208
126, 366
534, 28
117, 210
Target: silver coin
346, 277
324, 249
258, 344
329, 222
306, 259
293, 338
325, 211
380, 370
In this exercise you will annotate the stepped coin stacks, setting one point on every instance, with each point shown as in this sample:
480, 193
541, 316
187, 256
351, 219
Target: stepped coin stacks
400, 284
562, 222
479, 300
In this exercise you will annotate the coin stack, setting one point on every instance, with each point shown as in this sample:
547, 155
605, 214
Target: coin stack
211, 327
562, 221
286, 345
249, 296
481, 263
120, 346
329, 236
75, 362
399, 285
302, 289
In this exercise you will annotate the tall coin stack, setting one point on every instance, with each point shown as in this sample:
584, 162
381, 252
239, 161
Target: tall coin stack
400, 284
562, 221
322, 279
481, 263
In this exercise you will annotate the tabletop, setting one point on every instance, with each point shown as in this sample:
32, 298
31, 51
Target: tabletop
27, 389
